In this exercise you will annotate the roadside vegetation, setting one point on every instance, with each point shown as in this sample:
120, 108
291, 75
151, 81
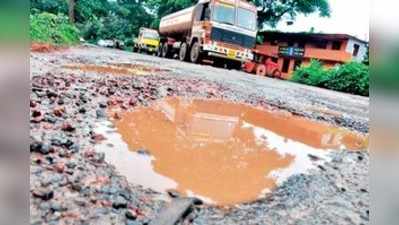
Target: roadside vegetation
352, 77
52, 29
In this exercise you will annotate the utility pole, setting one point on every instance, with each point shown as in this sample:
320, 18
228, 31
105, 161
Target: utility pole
71, 12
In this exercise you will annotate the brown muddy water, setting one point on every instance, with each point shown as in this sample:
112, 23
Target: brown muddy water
221, 152
115, 68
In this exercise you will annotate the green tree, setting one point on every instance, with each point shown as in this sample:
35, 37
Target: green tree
164, 7
271, 11
85, 9
51, 6
54, 29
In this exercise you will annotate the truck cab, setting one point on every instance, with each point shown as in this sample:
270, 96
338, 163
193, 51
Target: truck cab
147, 41
223, 30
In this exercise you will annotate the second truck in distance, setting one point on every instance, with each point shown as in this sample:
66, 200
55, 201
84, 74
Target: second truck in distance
223, 31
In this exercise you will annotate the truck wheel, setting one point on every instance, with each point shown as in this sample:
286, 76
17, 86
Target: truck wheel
134, 49
183, 56
159, 50
234, 65
277, 74
261, 70
165, 51
249, 67
218, 63
195, 53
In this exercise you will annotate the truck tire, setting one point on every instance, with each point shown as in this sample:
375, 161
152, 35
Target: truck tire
277, 74
183, 52
234, 65
134, 49
261, 70
165, 51
159, 50
195, 53
219, 63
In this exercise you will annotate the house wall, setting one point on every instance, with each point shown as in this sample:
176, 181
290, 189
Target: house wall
327, 56
362, 50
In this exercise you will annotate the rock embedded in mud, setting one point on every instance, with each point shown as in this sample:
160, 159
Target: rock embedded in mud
39, 147
100, 113
174, 193
82, 110
314, 157
32, 104
67, 127
131, 215
36, 113
102, 105
59, 167
51, 94
58, 207
59, 112
50, 119
143, 152
119, 202
43, 193
96, 157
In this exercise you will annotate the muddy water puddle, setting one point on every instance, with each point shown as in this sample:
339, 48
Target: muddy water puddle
224, 153
116, 68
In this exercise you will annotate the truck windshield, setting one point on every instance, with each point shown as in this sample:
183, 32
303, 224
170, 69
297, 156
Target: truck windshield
224, 13
246, 19
151, 35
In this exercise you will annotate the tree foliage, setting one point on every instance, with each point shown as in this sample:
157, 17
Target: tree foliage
272, 11
55, 29
51, 6
121, 19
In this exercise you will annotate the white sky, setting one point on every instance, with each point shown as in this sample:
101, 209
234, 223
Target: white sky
347, 16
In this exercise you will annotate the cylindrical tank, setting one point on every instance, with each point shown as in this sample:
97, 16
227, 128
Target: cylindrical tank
178, 23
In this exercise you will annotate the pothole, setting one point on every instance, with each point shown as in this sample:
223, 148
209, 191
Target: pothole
221, 152
116, 68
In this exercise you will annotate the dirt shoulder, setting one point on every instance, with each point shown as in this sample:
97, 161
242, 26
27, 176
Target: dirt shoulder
71, 183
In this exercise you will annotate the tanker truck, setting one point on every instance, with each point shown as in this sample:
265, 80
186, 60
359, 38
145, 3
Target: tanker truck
221, 31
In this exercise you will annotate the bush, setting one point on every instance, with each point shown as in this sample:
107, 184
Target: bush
351, 77
313, 74
53, 29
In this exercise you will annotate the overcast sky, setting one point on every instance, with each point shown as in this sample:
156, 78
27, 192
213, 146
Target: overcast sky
347, 16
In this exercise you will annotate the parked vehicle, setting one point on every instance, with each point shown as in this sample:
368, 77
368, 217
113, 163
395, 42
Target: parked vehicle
147, 41
223, 31
115, 43
263, 65
106, 43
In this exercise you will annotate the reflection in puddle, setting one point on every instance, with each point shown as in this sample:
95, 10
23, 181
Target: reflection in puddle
224, 153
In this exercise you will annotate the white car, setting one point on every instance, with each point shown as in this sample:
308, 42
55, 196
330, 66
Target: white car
106, 43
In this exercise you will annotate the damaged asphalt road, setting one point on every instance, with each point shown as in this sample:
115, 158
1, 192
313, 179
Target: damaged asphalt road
71, 183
